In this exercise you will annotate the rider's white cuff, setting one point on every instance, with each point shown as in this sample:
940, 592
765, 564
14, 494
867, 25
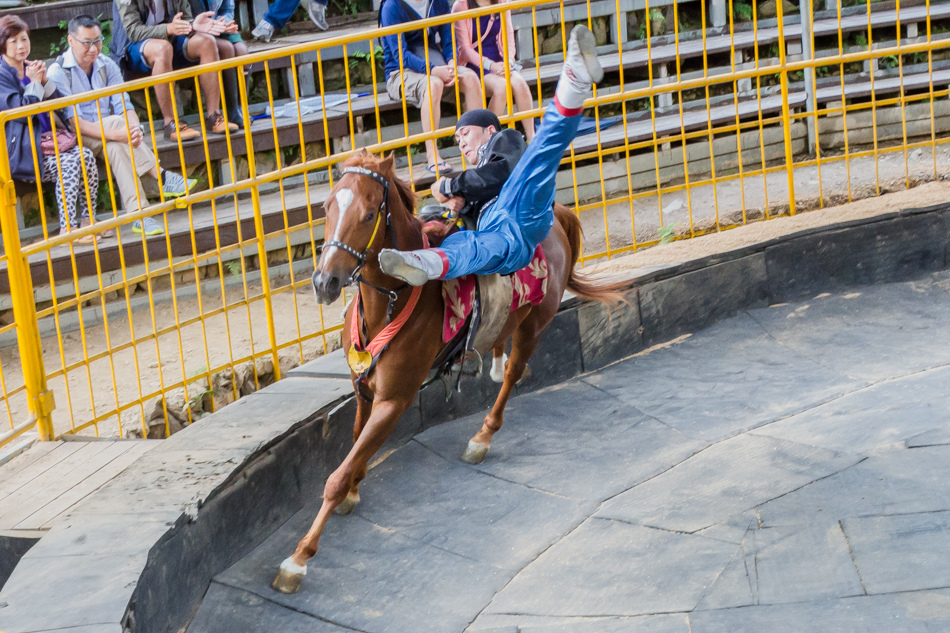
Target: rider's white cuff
446, 187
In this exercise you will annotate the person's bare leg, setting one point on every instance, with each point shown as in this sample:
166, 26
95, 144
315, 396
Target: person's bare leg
202, 47
470, 86
432, 116
496, 88
227, 50
495, 92
158, 54
521, 94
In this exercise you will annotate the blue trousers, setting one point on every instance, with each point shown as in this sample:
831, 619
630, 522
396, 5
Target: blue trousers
512, 227
280, 11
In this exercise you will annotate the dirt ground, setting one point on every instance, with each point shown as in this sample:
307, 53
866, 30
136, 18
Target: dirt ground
182, 354
683, 250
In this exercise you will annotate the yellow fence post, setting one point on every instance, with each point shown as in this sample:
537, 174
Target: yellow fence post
39, 398
259, 226
786, 118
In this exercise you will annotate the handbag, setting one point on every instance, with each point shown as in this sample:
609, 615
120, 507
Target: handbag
65, 137
65, 141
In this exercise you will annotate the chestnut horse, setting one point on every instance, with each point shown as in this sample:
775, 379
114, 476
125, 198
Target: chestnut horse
370, 209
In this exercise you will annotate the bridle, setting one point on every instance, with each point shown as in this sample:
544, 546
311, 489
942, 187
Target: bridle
383, 207
357, 275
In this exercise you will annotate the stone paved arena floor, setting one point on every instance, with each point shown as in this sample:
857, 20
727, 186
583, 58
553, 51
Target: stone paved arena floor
785, 470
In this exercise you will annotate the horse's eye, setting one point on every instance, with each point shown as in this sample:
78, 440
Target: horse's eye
369, 218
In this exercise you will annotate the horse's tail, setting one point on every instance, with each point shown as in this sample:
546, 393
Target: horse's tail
579, 283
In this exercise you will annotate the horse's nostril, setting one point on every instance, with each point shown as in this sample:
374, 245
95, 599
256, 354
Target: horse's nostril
333, 285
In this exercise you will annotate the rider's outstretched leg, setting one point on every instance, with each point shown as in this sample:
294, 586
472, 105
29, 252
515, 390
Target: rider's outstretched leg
522, 216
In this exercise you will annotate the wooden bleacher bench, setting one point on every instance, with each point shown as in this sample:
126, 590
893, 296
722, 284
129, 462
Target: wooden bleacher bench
49, 15
288, 135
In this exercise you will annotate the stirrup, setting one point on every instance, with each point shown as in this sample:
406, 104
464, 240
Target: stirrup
469, 365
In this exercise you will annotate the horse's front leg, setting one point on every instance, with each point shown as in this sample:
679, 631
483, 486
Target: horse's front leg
499, 358
381, 422
363, 410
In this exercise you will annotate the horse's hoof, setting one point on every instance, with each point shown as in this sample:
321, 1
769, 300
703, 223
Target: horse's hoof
474, 453
289, 577
347, 505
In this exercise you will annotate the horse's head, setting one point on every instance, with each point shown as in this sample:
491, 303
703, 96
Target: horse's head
357, 215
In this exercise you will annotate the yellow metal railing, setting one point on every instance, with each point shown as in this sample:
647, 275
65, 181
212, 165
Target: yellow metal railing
141, 335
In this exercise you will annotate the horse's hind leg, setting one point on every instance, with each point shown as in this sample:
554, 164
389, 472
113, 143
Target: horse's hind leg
498, 360
523, 343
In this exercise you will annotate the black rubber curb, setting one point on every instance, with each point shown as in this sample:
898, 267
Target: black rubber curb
139, 554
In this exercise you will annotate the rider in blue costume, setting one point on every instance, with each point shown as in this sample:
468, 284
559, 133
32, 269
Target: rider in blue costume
510, 229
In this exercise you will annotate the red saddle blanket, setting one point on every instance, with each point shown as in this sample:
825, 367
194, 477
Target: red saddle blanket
528, 285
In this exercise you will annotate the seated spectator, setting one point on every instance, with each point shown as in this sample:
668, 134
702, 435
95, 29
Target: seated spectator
422, 84
493, 152
81, 69
25, 82
230, 44
158, 36
490, 58
278, 15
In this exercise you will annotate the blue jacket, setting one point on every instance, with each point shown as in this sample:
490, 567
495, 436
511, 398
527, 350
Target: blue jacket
221, 8
19, 144
394, 12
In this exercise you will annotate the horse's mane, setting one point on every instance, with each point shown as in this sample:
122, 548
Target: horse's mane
405, 223
367, 160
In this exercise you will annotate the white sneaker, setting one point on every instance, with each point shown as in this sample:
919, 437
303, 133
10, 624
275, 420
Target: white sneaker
263, 31
582, 56
318, 14
581, 70
174, 186
413, 267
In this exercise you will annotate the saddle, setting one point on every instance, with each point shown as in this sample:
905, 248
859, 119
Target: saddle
476, 307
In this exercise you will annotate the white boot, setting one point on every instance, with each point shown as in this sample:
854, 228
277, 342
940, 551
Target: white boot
318, 14
263, 31
413, 267
581, 69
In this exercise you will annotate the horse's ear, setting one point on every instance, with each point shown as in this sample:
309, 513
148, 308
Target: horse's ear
386, 165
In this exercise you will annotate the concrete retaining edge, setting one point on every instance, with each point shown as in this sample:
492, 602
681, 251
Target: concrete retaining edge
139, 553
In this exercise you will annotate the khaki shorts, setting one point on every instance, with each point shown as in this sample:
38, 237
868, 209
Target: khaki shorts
416, 86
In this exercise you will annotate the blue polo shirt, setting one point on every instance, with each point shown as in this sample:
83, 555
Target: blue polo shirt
80, 82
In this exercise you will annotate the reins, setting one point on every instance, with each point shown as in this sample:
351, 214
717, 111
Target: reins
362, 358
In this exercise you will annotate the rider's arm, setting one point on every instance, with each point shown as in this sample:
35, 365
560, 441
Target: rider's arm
481, 183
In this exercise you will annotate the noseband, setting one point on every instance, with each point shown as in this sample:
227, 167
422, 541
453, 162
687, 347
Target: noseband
383, 208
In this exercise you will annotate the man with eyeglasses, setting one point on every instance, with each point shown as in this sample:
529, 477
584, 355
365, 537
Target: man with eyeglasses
82, 68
